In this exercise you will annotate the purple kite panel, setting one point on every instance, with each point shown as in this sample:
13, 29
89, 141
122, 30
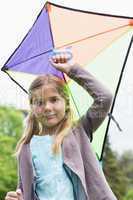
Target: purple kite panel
38, 65
34, 45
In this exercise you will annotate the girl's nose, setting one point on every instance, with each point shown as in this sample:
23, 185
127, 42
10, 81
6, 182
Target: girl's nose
47, 106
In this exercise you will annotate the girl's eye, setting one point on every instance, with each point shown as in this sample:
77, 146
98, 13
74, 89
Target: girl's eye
55, 99
38, 102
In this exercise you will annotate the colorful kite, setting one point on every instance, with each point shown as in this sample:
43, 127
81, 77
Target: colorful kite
99, 42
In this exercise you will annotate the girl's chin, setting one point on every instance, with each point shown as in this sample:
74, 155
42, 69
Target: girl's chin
51, 123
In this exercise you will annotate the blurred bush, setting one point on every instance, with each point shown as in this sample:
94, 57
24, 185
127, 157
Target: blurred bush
11, 125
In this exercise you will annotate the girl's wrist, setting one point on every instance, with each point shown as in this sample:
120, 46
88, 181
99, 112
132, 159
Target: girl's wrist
69, 68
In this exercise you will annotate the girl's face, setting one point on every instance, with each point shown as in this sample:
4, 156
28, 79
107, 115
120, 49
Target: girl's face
48, 106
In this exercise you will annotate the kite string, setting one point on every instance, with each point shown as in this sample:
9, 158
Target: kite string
114, 120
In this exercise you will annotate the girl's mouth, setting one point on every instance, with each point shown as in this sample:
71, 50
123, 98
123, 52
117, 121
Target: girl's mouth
50, 116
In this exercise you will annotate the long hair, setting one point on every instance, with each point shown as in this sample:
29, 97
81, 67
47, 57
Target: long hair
34, 127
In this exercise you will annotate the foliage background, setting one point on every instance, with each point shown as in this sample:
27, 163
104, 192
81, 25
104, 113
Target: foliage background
11, 125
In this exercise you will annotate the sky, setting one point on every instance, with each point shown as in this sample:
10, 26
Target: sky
17, 17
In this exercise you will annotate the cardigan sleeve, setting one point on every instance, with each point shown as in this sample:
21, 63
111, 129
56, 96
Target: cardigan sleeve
102, 99
19, 183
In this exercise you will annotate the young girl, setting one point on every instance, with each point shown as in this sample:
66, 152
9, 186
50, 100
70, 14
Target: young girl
55, 159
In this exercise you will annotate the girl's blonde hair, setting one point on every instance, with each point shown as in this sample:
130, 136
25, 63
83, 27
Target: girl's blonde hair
32, 125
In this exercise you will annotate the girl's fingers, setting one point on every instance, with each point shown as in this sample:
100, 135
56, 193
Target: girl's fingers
63, 58
11, 194
19, 194
60, 58
56, 58
14, 195
11, 198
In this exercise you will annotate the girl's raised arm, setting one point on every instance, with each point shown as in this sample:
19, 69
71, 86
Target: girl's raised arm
101, 96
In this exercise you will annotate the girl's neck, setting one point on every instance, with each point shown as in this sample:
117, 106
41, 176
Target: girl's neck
49, 130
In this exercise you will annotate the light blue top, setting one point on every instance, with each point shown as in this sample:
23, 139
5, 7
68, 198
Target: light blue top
52, 182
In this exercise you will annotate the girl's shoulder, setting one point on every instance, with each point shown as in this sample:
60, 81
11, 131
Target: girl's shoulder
24, 151
80, 131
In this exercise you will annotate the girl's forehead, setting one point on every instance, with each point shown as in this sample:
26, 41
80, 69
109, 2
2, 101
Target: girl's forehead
46, 90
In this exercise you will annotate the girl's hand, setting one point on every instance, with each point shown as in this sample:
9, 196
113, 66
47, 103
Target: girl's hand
12, 195
62, 62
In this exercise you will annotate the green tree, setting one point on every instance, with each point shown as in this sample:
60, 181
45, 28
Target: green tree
129, 195
114, 173
126, 163
11, 125
8, 175
10, 121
